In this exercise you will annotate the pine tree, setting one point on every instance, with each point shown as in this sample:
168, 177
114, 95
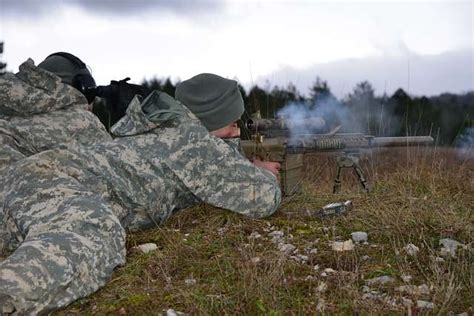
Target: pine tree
3, 65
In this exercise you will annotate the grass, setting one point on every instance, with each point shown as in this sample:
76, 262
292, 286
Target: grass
212, 261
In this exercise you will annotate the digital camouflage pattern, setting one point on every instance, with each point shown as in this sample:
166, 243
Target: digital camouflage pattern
68, 208
38, 112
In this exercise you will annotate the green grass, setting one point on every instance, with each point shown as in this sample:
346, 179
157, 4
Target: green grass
418, 197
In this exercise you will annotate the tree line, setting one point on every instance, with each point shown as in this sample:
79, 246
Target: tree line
446, 117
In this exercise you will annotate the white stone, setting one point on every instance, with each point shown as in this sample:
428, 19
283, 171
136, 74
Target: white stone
439, 259
190, 281
286, 248
171, 312
347, 245
365, 258
255, 260
329, 270
384, 279
358, 237
309, 278
316, 267
411, 249
313, 251
146, 248
406, 278
424, 289
414, 290
255, 235
425, 304
322, 287
276, 233
300, 258
449, 247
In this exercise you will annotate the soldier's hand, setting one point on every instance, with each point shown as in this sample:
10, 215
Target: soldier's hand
272, 166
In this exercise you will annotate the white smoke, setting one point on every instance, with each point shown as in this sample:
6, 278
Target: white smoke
465, 144
329, 108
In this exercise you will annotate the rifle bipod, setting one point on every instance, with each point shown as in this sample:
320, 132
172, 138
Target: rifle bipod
349, 161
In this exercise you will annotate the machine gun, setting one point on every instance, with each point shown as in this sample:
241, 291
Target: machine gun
115, 99
289, 151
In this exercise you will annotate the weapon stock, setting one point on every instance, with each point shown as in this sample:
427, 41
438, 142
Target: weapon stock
290, 151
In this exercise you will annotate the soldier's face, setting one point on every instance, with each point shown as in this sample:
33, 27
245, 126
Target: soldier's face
230, 131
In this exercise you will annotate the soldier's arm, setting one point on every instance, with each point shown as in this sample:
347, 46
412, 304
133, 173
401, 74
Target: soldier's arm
219, 175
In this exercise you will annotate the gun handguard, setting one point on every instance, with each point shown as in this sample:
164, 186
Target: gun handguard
314, 123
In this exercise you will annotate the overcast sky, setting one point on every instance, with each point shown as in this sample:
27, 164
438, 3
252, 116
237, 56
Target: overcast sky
424, 47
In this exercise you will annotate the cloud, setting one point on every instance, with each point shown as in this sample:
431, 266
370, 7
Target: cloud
107, 7
416, 74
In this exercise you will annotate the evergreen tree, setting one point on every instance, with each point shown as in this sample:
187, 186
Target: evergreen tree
319, 90
3, 65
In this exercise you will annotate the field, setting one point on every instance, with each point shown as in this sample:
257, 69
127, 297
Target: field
211, 261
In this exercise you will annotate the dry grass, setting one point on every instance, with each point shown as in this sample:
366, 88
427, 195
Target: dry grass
419, 196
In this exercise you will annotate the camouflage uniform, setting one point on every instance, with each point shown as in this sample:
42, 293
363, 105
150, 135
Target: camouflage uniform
69, 207
38, 112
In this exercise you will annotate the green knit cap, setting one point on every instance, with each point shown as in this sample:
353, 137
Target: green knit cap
216, 101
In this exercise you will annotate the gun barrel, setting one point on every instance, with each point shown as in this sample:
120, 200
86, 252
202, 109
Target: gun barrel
401, 141
313, 123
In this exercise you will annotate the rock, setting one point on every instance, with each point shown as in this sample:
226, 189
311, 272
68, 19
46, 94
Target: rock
414, 290
406, 278
255, 260
411, 249
423, 289
313, 251
365, 289
316, 267
276, 233
449, 247
425, 304
122, 311
329, 270
286, 248
221, 231
322, 287
347, 245
255, 235
358, 237
190, 281
365, 258
381, 280
300, 258
171, 312
146, 248
439, 259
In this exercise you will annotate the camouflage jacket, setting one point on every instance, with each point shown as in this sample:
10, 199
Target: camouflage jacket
66, 209
38, 112
154, 168
172, 162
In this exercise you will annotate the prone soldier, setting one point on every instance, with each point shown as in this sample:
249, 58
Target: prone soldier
71, 207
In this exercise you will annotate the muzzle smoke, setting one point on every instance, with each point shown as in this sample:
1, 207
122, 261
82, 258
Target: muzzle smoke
330, 109
465, 144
